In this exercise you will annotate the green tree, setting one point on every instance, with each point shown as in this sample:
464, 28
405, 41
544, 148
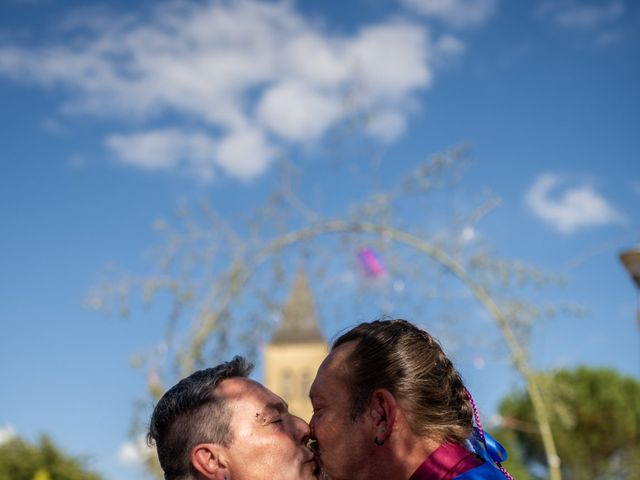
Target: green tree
595, 419
43, 460
515, 463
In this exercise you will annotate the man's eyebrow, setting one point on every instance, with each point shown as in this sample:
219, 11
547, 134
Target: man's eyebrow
270, 409
279, 406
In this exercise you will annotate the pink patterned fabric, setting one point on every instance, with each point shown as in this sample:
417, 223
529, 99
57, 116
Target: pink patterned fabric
447, 462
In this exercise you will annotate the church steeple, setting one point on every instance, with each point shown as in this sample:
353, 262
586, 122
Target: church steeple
296, 350
299, 324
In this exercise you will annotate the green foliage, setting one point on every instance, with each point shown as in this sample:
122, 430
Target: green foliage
595, 419
20, 460
515, 464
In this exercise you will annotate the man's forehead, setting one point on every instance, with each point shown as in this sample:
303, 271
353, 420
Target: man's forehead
336, 361
234, 387
246, 390
333, 367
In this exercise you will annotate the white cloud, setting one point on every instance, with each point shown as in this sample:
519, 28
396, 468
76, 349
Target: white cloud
449, 45
166, 149
239, 69
467, 235
244, 153
7, 433
134, 452
576, 208
458, 13
391, 60
387, 126
296, 112
326, 67
578, 14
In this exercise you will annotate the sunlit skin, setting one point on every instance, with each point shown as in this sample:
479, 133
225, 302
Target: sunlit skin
268, 442
346, 447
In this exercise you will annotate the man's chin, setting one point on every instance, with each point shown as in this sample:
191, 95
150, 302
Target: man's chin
319, 473
312, 470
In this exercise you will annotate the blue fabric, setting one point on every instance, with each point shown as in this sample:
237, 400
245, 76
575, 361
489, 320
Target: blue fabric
486, 471
491, 451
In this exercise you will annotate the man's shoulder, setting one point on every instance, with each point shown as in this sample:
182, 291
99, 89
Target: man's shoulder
486, 471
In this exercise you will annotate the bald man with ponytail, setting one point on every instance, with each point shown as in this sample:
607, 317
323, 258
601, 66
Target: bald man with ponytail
389, 404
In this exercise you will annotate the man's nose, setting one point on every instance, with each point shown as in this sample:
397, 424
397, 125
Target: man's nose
312, 427
301, 430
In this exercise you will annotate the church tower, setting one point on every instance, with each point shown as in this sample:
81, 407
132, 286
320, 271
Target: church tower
296, 349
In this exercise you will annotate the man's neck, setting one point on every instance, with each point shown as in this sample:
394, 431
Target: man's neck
402, 455
411, 452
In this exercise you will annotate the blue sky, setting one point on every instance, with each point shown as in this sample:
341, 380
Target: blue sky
113, 113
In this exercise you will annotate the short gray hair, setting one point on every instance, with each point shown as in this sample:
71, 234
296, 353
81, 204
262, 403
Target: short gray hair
190, 413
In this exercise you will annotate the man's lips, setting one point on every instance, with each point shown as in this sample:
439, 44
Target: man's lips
315, 465
312, 448
310, 455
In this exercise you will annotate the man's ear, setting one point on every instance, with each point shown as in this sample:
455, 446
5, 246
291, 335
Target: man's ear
383, 409
211, 462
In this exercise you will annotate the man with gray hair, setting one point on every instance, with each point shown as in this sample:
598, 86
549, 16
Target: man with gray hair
217, 424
